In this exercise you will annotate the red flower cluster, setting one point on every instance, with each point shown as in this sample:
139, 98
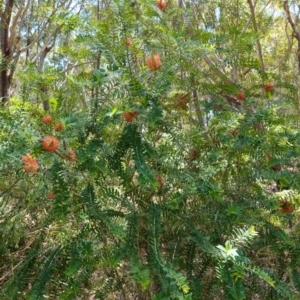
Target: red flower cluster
51, 195
47, 119
240, 96
159, 180
129, 115
30, 163
153, 62
50, 143
286, 207
58, 126
128, 42
161, 4
269, 87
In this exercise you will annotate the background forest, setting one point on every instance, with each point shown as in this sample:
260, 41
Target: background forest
149, 149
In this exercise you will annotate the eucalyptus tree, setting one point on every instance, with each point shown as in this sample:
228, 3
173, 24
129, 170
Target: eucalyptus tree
29, 31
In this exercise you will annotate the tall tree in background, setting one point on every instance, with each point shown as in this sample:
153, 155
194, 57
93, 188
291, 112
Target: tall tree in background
6, 50
29, 30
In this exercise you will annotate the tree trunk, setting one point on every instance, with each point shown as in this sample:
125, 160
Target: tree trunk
6, 51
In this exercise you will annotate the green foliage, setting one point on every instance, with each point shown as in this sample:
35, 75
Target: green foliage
194, 198
41, 281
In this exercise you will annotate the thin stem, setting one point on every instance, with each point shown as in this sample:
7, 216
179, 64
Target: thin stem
260, 55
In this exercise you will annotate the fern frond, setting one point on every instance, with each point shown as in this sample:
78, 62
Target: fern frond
93, 211
261, 274
141, 274
19, 280
242, 237
296, 279
138, 156
48, 267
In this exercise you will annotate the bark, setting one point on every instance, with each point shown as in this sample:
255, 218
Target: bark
44, 89
217, 71
6, 50
259, 50
199, 113
296, 31
12, 28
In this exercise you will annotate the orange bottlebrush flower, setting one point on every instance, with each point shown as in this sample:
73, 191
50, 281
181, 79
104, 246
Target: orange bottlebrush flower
50, 143
51, 195
30, 163
269, 87
58, 126
47, 119
161, 4
71, 155
27, 158
159, 180
134, 113
128, 42
31, 167
286, 207
129, 115
153, 62
240, 96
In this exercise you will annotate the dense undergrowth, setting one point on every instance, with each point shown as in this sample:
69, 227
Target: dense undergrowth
193, 194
